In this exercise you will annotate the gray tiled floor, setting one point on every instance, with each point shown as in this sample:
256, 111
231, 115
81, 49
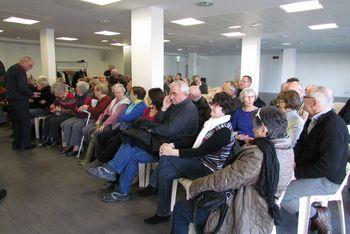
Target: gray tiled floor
49, 193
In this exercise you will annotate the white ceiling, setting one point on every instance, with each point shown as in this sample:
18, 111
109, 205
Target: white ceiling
74, 18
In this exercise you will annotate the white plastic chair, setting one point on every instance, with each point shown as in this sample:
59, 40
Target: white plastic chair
37, 125
305, 206
82, 139
145, 173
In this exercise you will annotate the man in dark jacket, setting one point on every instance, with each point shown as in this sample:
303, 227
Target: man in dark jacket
246, 82
40, 106
345, 112
17, 95
320, 157
177, 119
201, 103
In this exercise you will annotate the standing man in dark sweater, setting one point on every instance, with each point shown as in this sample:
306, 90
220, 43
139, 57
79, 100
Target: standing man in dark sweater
201, 103
17, 95
320, 157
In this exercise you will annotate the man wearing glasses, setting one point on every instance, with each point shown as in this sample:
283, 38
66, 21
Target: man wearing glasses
17, 95
320, 157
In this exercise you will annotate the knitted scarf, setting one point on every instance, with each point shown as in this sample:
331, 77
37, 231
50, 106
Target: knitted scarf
269, 176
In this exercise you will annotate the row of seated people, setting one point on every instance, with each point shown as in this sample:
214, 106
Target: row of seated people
174, 127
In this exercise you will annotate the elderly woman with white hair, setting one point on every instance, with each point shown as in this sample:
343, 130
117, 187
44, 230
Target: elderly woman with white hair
40, 106
242, 120
96, 107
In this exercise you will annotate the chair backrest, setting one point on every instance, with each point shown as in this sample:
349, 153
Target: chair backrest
345, 181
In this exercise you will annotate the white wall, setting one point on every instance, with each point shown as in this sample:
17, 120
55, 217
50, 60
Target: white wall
11, 52
171, 66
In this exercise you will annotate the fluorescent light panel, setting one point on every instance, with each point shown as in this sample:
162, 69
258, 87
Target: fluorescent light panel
18, 20
67, 38
301, 6
104, 41
180, 49
233, 34
236, 26
323, 26
119, 44
107, 33
166, 40
101, 2
1, 30
187, 21
286, 43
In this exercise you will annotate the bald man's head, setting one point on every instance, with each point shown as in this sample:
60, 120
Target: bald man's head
194, 93
296, 86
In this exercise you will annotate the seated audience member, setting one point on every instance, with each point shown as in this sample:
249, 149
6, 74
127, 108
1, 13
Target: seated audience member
288, 103
274, 102
108, 119
107, 141
61, 109
107, 73
345, 112
114, 77
320, 157
83, 97
208, 154
178, 76
177, 119
246, 82
201, 103
242, 120
259, 175
198, 82
41, 105
154, 104
294, 84
3, 192
167, 81
187, 81
73, 134
230, 89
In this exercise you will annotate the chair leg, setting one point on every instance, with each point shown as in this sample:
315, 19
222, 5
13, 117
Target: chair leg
142, 173
304, 215
173, 195
37, 128
342, 215
148, 173
191, 229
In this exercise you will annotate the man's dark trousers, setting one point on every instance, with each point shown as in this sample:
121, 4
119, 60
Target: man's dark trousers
21, 123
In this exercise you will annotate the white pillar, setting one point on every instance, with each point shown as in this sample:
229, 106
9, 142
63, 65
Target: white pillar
147, 47
127, 59
48, 55
192, 65
250, 60
288, 64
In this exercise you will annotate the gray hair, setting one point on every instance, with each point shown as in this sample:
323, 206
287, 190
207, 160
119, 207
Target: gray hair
83, 86
58, 86
114, 72
183, 86
247, 92
25, 59
120, 87
323, 95
43, 80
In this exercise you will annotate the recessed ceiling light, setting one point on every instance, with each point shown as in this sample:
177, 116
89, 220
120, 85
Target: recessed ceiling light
17, 20
187, 21
18, 38
180, 49
286, 43
233, 34
107, 33
101, 2
205, 3
237, 46
67, 38
210, 41
104, 21
235, 26
165, 40
1, 30
119, 44
301, 6
256, 25
104, 41
301, 43
170, 33
284, 35
323, 26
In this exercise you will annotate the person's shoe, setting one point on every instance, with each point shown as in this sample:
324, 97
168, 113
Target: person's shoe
107, 186
72, 153
157, 219
148, 191
65, 150
95, 163
114, 197
52, 145
45, 143
323, 221
106, 173
3, 194
28, 147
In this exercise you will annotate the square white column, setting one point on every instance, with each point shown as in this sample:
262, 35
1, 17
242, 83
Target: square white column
147, 47
288, 64
250, 60
192, 64
48, 55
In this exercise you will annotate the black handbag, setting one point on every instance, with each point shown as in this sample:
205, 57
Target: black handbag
211, 200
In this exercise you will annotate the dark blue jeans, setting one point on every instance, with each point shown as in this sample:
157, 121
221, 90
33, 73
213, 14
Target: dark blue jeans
183, 216
170, 168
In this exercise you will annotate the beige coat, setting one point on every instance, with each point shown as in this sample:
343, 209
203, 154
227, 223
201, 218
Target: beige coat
248, 211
